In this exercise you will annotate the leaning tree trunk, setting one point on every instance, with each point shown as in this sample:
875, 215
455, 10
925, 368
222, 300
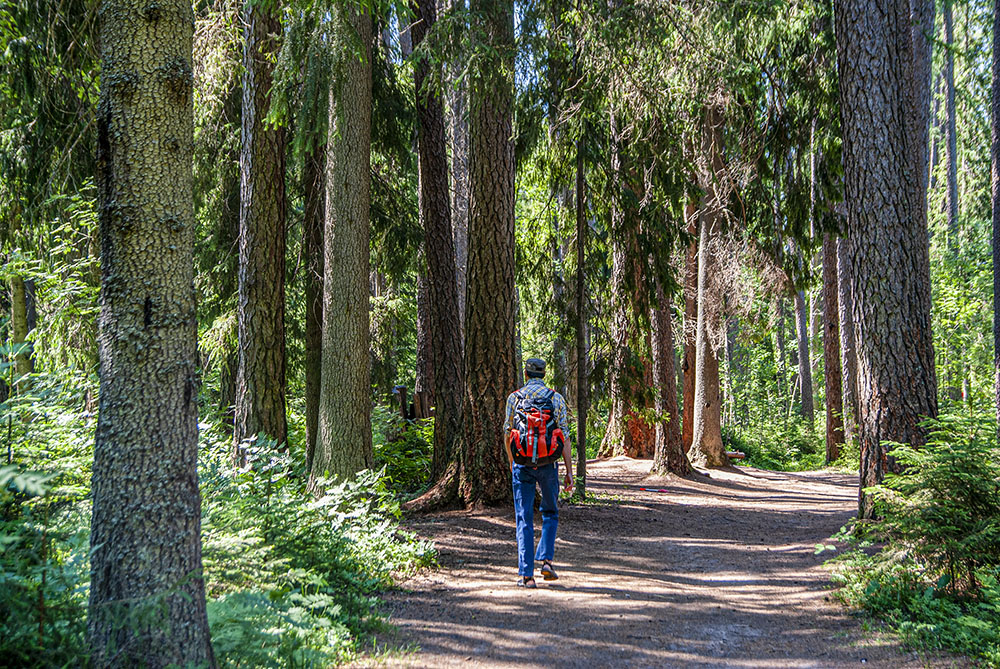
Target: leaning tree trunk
147, 597
260, 371
831, 351
489, 316
805, 368
707, 449
995, 186
435, 213
887, 227
345, 437
691, 214
669, 455
312, 240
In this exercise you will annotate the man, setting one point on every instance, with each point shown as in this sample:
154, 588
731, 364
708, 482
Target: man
534, 398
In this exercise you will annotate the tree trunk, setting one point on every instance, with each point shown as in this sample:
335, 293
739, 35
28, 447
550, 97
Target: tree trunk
147, 597
260, 372
458, 139
691, 214
922, 37
805, 369
995, 201
345, 438
848, 345
669, 455
831, 351
707, 449
435, 214
424, 382
489, 332
887, 227
315, 213
19, 328
582, 379
951, 142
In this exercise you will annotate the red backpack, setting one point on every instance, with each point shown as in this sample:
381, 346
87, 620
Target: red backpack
535, 436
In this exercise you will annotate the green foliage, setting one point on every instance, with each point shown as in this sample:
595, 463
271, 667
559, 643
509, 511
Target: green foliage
791, 445
292, 578
935, 575
403, 450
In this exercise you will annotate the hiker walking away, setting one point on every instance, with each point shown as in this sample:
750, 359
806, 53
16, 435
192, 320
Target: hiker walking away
536, 434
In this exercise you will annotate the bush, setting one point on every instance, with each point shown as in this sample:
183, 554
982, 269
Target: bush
403, 450
935, 574
787, 446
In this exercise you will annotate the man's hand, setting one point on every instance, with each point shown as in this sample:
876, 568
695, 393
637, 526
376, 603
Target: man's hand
567, 482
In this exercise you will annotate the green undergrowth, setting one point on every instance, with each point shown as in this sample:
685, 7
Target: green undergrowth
791, 445
292, 579
930, 566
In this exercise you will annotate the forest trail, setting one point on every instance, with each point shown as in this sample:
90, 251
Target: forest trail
717, 572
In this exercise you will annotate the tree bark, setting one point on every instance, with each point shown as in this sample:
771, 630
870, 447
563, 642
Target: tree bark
707, 449
489, 320
458, 139
260, 372
19, 328
345, 439
922, 37
313, 217
805, 368
691, 214
669, 455
951, 142
831, 351
435, 214
995, 201
145, 566
582, 377
424, 382
848, 346
887, 227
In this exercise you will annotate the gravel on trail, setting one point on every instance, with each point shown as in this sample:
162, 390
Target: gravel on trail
709, 571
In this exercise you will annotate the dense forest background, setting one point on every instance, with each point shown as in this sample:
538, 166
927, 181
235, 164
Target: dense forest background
306, 246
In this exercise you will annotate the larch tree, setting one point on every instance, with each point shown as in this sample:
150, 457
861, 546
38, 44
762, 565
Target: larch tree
344, 446
260, 371
147, 597
707, 449
886, 224
439, 250
489, 316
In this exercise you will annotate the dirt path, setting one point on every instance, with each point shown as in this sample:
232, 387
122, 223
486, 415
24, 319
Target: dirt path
717, 572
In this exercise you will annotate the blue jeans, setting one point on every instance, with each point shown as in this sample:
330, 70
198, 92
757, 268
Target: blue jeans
524, 479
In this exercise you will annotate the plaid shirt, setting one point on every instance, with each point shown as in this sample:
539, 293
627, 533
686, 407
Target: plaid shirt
536, 388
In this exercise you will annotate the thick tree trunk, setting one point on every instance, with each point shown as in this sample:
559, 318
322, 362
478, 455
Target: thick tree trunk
831, 351
691, 214
435, 214
887, 227
669, 455
314, 215
345, 439
805, 368
707, 449
147, 597
260, 372
995, 200
922, 36
489, 332
848, 346
951, 142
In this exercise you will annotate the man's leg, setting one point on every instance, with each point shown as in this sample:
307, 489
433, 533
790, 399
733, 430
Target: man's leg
524, 511
548, 481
